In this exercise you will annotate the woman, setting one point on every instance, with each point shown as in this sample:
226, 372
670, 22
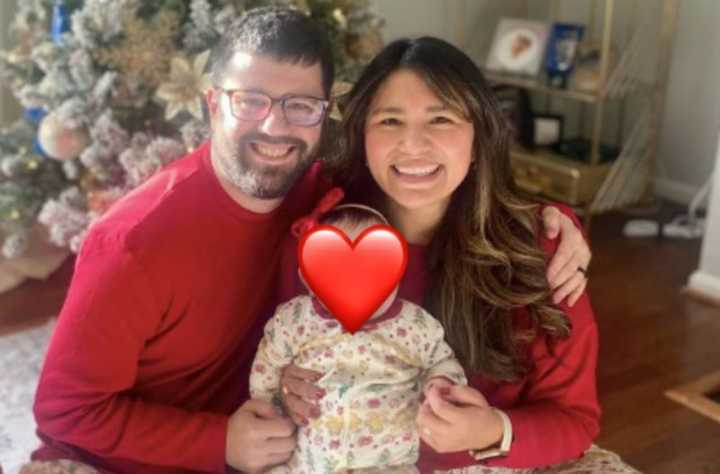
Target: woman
429, 147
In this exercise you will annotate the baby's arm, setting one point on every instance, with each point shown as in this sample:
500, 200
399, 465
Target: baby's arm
441, 367
276, 350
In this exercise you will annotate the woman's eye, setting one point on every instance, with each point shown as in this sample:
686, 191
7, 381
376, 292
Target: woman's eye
389, 121
441, 119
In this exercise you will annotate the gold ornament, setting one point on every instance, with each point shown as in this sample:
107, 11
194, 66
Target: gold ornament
340, 18
364, 47
186, 87
60, 142
24, 49
339, 89
100, 201
303, 6
145, 52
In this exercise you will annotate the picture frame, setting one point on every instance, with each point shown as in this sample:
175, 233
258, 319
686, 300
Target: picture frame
518, 46
548, 129
562, 51
515, 104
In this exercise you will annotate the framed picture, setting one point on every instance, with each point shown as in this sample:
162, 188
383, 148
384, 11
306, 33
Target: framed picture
518, 46
515, 104
547, 129
561, 52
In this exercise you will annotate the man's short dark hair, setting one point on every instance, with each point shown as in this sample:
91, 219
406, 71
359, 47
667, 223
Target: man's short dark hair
281, 33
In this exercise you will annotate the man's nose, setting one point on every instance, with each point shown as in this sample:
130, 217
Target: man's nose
275, 122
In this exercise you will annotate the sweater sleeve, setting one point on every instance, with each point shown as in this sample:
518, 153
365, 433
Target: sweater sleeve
439, 359
559, 414
83, 397
276, 350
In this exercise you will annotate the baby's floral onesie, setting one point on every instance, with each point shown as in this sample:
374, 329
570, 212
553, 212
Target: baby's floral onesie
372, 379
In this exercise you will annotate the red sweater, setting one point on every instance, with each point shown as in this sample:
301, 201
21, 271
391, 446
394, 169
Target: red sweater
554, 410
170, 294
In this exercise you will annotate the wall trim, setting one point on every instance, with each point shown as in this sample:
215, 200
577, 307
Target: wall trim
675, 191
705, 283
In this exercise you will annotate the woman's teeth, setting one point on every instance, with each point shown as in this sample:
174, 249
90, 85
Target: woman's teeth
417, 170
272, 151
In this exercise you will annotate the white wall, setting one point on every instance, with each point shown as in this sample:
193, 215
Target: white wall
688, 141
707, 278
9, 108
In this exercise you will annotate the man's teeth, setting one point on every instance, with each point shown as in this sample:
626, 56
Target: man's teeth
272, 151
417, 170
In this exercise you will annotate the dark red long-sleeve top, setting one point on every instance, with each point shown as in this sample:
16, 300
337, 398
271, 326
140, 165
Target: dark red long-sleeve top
153, 346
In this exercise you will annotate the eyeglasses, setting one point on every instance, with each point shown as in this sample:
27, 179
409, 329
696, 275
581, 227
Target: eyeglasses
303, 111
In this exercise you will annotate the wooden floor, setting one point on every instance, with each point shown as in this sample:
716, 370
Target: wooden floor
653, 337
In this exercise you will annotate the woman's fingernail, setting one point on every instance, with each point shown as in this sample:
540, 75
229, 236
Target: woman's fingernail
320, 393
445, 391
315, 412
304, 422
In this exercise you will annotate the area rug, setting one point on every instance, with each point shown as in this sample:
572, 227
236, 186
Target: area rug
21, 357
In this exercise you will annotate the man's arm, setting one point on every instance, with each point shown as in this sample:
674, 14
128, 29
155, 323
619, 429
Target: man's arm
109, 315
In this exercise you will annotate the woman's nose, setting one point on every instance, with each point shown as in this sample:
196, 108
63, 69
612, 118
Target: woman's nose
414, 139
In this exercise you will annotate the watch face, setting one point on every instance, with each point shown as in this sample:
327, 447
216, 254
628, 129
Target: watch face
517, 48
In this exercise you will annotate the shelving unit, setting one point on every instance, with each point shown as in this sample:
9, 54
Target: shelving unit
595, 187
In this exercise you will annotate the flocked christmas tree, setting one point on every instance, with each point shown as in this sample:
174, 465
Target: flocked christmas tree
113, 91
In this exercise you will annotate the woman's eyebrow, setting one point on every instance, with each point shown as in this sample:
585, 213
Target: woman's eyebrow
387, 110
398, 110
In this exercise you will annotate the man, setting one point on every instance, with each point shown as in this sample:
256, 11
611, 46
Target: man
151, 354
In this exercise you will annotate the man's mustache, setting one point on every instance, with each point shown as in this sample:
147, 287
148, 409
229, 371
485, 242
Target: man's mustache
276, 140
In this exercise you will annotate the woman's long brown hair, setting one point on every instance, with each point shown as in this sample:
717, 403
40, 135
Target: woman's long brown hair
484, 259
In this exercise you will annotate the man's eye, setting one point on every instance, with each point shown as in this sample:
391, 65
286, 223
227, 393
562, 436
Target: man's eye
299, 107
251, 103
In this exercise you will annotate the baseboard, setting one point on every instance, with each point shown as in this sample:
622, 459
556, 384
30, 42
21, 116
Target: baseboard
675, 191
705, 286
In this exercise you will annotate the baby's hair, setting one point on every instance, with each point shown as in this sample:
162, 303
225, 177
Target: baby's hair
352, 215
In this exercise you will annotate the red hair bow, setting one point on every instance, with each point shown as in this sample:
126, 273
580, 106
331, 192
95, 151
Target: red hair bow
326, 203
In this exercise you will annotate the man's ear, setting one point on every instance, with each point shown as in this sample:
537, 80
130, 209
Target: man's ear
212, 99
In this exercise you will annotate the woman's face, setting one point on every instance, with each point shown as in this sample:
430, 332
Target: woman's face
418, 150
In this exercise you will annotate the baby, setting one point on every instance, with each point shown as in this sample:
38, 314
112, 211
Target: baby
373, 379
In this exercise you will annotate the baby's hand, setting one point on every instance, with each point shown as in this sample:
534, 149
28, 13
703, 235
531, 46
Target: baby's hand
439, 386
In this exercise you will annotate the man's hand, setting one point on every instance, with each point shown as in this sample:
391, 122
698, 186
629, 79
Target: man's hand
258, 437
566, 271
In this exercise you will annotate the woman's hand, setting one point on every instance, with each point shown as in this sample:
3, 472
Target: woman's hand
567, 270
299, 395
457, 419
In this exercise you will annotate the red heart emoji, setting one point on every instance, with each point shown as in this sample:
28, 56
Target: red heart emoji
352, 279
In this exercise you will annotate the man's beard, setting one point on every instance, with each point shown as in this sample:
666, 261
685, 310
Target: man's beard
264, 181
